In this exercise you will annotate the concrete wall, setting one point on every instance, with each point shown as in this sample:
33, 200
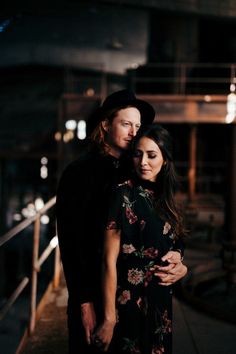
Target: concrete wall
99, 37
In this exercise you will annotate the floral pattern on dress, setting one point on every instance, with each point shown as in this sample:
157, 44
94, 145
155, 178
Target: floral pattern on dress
130, 215
111, 226
167, 323
142, 224
127, 204
140, 299
158, 350
131, 345
150, 252
124, 297
127, 249
135, 276
148, 276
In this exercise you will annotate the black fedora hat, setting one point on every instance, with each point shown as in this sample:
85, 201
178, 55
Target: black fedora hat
123, 98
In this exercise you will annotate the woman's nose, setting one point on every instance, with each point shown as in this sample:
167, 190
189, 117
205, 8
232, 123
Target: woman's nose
143, 161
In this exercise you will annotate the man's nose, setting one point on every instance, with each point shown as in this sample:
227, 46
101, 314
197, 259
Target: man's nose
133, 131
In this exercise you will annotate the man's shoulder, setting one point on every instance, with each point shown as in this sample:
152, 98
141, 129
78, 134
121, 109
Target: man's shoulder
85, 160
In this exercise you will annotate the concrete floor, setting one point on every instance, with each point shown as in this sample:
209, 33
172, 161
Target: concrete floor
194, 332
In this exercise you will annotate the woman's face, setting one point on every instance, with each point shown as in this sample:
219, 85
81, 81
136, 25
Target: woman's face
148, 159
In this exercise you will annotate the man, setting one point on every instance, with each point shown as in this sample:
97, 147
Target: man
82, 203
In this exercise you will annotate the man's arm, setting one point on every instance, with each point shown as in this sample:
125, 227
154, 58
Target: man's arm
74, 209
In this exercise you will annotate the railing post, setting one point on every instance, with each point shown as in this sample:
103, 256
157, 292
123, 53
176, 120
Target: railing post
33, 299
57, 267
192, 163
183, 79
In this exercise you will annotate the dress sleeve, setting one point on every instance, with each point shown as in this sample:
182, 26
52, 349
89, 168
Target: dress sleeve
114, 219
179, 246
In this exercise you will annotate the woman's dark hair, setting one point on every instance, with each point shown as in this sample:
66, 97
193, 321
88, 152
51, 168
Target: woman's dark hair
167, 180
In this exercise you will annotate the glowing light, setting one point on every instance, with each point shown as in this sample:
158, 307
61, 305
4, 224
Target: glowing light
39, 203
28, 211
44, 160
81, 130
231, 106
90, 92
232, 87
43, 172
17, 217
71, 124
44, 219
134, 65
69, 135
57, 136
207, 98
5, 24
54, 242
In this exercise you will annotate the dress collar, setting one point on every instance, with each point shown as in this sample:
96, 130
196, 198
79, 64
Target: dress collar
152, 186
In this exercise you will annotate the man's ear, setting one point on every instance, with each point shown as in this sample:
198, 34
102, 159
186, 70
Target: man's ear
105, 124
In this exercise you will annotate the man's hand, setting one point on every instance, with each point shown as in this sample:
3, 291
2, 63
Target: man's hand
88, 319
172, 272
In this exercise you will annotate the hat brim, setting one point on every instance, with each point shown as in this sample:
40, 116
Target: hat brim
147, 112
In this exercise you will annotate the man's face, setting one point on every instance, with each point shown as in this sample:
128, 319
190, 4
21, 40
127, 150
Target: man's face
122, 129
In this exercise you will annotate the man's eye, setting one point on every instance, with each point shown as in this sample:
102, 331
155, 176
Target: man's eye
126, 124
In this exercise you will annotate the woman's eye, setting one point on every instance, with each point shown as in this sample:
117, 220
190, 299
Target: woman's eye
152, 156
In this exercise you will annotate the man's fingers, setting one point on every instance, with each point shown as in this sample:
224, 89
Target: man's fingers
165, 284
165, 268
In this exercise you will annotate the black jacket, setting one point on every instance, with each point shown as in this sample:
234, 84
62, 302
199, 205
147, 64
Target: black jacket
82, 204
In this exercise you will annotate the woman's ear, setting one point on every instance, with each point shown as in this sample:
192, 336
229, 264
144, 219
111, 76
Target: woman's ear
105, 124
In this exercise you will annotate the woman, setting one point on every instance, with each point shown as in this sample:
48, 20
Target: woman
144, 231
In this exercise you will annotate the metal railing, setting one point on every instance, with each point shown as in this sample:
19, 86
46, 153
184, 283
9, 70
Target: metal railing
37, 262
183, 78
157, 78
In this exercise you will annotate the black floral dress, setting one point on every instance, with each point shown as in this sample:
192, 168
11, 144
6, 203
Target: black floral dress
144, 308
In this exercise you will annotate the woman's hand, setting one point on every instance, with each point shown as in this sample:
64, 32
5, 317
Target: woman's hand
103, 335
171, 273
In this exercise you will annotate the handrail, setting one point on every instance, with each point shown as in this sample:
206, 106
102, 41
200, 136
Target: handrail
37, 261
184, 77
22, 225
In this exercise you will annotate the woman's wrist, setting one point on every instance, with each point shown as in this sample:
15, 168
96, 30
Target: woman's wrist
111, 319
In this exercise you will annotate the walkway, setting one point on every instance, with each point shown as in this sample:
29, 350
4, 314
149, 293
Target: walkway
194, 332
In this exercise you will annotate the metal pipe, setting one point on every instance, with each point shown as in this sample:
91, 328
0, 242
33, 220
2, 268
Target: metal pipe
57, 268
33, 299
21, 226
53, 243
13, 297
